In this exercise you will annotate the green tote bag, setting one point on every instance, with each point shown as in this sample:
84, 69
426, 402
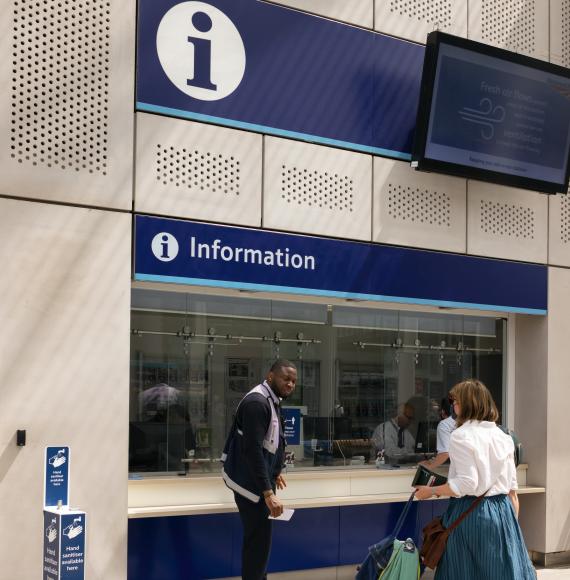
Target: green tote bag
404, 563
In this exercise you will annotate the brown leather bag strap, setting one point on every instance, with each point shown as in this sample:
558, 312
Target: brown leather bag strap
466, 512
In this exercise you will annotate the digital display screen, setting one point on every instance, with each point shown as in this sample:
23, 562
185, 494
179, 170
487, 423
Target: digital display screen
495, 116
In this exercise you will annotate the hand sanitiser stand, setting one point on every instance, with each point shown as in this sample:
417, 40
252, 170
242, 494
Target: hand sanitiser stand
64, 528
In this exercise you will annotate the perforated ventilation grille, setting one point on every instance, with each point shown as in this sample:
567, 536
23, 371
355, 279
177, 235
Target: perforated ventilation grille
565, 219
320, 189
436, 11
509, 23
412, 204
510, 220
565, 25
60, 83
198, 170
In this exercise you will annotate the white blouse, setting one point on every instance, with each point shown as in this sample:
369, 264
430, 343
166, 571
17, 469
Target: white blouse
482, 458
444, 430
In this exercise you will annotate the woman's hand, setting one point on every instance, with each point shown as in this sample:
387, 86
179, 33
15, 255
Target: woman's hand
424, 492
515, 501
280, 482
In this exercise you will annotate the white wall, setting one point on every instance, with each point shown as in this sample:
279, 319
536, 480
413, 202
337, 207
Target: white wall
558, 450
542, 402
64, 376
531, 416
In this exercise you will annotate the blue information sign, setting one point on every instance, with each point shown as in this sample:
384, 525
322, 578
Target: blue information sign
292, 425
184, 252
257, 66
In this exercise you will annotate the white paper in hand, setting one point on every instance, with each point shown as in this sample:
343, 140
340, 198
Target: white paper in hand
285, 516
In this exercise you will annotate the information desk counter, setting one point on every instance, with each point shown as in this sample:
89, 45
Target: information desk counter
207, 494
188, 526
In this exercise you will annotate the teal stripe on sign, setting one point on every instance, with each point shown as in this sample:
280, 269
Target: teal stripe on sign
271, 131
332, 293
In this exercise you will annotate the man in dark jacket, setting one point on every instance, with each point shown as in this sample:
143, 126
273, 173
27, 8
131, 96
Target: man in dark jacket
253, 458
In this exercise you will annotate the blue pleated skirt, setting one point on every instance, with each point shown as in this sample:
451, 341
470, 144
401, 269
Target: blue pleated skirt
486, 545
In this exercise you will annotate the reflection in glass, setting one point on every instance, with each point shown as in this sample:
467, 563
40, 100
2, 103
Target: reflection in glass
370, 381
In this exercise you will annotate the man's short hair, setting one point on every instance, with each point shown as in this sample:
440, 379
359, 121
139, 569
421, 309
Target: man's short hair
281, 363
447, 406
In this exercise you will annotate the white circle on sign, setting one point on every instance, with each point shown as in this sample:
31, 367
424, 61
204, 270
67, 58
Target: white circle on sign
164, 247
201, 51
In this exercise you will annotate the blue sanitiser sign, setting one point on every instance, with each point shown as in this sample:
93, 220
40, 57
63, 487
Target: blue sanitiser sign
64, 545
56, 489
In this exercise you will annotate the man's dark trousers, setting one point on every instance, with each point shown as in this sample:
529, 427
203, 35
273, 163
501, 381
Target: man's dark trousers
256, 538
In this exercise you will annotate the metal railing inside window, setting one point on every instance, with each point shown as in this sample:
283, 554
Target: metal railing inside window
193, 357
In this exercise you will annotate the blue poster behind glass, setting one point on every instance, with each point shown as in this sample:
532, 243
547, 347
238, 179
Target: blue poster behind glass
56, 476
254, 65
184, 252
292, 425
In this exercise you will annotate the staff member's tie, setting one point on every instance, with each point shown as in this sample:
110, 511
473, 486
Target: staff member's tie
401, 437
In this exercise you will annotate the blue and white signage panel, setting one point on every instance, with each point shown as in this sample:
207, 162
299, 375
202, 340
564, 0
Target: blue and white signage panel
257, 66
64, 545
56, 476
492, 114
52, 534
291, 425
184, 252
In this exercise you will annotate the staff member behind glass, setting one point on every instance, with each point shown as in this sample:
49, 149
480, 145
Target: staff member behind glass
444, 430
253, 458
488, 543
393, 436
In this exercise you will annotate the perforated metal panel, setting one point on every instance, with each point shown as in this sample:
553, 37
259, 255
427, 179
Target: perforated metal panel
66, 118
317, 190
565, 220
416, 209
313, 188
559, 230
517, 25
359, 12
507, 219
506, 222
415, 19
560, 32
200, 171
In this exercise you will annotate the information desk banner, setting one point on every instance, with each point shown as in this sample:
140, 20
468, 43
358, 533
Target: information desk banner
257, 66
64, 545
184, 252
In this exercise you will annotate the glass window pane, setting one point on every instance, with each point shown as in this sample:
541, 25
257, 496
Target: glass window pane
369, 380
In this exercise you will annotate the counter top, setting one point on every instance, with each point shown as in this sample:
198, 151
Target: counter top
207, 494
